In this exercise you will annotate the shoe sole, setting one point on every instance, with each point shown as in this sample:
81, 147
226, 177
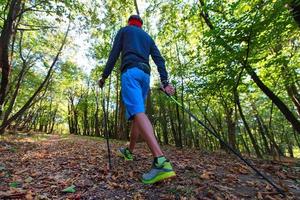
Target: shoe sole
122, 155
162, 177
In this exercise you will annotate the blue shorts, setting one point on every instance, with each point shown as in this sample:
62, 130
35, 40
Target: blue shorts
135, 87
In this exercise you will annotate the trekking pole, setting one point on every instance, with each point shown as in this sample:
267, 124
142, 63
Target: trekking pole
279, 190
106, 134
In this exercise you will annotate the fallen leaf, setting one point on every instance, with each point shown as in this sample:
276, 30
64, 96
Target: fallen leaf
138, 196
280, 175
28, 196
268, 187
15, 184
259, 196
28, 180
70, 189
268, 197
206, 175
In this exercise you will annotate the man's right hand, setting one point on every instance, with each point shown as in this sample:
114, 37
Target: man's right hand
101, 82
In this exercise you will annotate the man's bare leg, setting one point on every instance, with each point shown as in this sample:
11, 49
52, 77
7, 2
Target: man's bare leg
135, 132
144, 127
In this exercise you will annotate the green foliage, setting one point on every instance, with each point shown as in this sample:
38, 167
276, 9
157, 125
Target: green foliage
206, 65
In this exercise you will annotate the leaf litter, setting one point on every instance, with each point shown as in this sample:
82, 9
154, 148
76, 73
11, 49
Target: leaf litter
75, 167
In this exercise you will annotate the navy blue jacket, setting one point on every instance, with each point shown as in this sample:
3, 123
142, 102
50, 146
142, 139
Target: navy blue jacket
136, 46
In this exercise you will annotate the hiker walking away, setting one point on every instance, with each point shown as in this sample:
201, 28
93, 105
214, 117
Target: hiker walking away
136, 47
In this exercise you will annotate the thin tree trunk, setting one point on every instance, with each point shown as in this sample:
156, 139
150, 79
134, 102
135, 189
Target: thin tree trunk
173, 128
289, 145
211, 125
163, 121
192, 139
85, 117
117, 107
254, 142
96, 115
53, 117
263, 134
122, 121
296, 139
244, 143
136, 7
179, 124
107, 106
266, 130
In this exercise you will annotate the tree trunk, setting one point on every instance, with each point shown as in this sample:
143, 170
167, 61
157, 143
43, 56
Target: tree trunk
295, 5
211, 125
117, 107
173, 128
149, 109
294, 95
182, 113
96, 115
122, 131
289, 145
70, 119
231, 128
275, 99
263, 134
163, 121
85, 118
179, 124
6, 33
244, 142
107, 106
296, 139
254, 142
53, 117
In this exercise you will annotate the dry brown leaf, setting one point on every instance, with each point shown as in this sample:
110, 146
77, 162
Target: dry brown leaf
138, 196
259, 196
268, 197
131, 174
206, 175
269, 187
29, 195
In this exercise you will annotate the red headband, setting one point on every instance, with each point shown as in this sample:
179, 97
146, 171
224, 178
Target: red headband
135, 22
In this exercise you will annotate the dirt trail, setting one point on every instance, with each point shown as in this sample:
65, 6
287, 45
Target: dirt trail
42, 168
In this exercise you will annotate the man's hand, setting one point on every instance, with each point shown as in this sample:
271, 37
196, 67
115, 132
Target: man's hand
101, 82
169, 89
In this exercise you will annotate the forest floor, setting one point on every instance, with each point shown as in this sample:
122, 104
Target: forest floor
75, 167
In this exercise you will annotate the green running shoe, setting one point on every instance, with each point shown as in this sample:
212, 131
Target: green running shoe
125, 152
159, 173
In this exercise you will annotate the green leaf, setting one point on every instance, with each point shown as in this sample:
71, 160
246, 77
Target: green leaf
15, 184
70, 189
13, 149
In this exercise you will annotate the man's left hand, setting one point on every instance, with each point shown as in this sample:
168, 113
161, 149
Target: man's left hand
169, 89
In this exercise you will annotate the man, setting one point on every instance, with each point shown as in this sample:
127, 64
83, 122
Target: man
136, 46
